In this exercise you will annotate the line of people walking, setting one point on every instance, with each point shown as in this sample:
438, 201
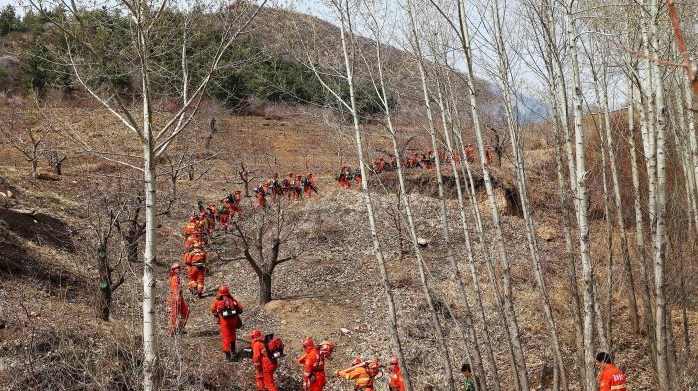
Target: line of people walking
426, 160
292, 188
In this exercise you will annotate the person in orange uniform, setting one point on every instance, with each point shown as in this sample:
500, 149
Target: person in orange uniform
224, 214
287, 185
359, 374
192, 233
265, 366
308, 184
275, 187
196, 263
395, 383
313, 367
297, 188
470, 153
489, 152
227, 312
179, 312
612, 378
261, 197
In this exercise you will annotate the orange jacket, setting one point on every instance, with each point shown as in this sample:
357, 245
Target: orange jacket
175, 287
312, 362
612, 379
196, 255
362, 380
192, 229
395, 382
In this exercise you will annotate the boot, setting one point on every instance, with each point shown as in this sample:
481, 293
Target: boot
228, 356
200, 295
233, 353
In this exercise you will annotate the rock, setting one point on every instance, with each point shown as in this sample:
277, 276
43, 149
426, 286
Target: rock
344, 331
546, 233
423, 242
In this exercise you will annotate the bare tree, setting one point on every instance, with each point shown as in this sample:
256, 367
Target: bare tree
104, 208
149, 25
265, 237
25, 135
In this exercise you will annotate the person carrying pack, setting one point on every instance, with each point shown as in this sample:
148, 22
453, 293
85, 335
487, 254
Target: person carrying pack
226, 309
266, 352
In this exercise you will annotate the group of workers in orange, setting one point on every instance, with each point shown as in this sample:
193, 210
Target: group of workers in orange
290, 187
426, 160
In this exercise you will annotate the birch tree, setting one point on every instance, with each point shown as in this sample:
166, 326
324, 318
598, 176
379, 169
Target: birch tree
343, 12
92, 49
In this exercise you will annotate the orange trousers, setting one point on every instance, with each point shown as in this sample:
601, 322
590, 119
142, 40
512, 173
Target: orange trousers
196, 278
265, 381
319, 382
178, 309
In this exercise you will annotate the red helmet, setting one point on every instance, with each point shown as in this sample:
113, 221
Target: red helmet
356, 361
310, 174
289, 174
298, 176
223, 290
255, 333
393, 360
193, 219
238, 191
276, 175
326, 348
174, 266
308, 342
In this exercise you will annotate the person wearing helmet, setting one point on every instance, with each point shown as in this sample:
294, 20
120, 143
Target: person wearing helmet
179, 312
192, 233
313, 367
308, 184
469, 153
261, 197
226, 309
196, 268
287, 185
265, 366
297, 188
326, 350
359, 374
395, 383
275, 187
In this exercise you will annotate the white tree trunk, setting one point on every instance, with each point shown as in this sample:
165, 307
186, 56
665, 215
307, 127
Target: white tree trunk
377, 250
660, 211
519, 168
583, 197
509, 310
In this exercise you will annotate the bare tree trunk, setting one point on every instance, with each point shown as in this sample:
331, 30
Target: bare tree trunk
378, 252
659, 241
149, 318
512, 324
583, 197
519, 168
559, 104
604, 318
634, 318
476, 355
437, 327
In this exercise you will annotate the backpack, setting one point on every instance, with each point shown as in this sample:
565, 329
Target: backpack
274, 347
229, 308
